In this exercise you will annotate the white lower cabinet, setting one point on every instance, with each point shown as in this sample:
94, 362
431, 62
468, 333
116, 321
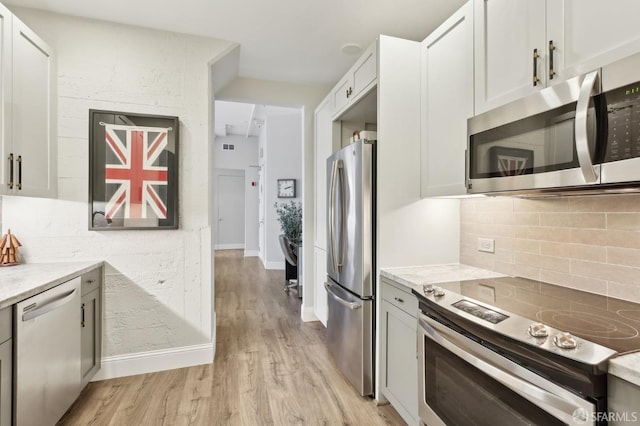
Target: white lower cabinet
622, 401
398, 350
91, 325
6, 366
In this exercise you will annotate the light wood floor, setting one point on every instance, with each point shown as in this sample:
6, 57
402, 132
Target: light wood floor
270, 368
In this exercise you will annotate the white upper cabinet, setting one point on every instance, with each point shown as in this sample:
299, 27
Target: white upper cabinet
507, 33
524, 46
32, 116
356, 83
6, 163
447, 103
588, 34
27, 119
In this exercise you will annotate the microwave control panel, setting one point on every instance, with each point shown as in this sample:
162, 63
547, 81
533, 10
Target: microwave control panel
623, 110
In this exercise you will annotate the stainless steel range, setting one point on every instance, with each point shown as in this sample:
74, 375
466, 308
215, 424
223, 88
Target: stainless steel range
515, 351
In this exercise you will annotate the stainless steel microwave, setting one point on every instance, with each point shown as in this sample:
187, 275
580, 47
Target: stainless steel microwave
580, 134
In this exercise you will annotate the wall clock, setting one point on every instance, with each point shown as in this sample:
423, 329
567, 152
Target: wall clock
286, 188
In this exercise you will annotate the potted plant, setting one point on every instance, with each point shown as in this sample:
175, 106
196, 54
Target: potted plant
290, 218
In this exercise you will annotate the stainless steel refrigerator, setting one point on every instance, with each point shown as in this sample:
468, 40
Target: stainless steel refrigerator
351, 261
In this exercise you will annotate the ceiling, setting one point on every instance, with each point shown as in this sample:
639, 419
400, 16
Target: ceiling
238, 118
296, 41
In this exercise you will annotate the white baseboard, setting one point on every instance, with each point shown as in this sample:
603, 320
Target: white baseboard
149, 362
308, 315
274, 265
251, 253
229, 247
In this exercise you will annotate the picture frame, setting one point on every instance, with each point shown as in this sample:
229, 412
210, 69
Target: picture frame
133, 171
506, 161
286, 188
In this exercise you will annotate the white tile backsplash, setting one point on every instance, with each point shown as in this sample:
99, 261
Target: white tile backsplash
591, 243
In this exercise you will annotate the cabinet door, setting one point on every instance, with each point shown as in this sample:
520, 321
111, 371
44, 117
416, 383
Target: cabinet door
399, 363
364, 71
33, 118
5, 100
588, 35
323, 149
90, 335
340, 94
6, 366
447, 99
506, 34
320, 276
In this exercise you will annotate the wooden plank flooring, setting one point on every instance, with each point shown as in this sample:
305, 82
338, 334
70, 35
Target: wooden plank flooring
270, 368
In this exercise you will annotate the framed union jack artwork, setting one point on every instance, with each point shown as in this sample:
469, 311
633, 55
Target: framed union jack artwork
133, 171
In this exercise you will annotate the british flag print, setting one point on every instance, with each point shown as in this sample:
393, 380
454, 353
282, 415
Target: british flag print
135, 170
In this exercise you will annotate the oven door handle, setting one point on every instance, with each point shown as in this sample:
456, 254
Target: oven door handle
561, 404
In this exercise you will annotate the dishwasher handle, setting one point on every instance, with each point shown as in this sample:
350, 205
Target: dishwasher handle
44, 309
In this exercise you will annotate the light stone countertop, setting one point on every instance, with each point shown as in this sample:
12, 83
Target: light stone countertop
22, 281
626, 367
415, 277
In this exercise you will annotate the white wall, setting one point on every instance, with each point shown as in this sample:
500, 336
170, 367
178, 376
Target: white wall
291, 95
245, 154
158, 283
284, 160
244, 157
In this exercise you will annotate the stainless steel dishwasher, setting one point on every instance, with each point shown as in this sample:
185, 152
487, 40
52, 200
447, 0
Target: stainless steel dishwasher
47, 362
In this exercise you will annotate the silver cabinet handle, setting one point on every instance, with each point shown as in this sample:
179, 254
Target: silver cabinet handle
340, 300
552, 72
397, 299
536, 55
11, 171
581, 129
55, 304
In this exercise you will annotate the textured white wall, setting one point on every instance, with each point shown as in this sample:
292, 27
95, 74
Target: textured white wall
158, 283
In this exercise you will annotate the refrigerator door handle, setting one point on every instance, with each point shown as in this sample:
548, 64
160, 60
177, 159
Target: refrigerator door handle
332, 216
351, 305
338, 168
343, 215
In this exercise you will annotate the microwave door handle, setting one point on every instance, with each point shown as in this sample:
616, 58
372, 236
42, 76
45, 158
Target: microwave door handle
332, 215
562, 408
581, 127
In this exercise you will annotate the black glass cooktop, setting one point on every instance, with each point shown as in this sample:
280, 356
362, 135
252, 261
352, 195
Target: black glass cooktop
609, 322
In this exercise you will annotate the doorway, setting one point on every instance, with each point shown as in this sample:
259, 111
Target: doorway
231, 211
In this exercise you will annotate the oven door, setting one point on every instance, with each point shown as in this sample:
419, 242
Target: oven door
462, 382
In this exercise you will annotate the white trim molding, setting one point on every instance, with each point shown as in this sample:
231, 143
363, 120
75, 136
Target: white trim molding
251, 253
275, 265
308, 315
239, 246
152, 361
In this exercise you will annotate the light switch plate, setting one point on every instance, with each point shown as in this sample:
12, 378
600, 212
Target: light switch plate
487, 245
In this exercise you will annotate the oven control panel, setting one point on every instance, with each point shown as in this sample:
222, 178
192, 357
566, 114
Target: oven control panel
480, 311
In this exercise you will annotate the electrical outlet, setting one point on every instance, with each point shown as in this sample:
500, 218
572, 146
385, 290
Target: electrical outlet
486, 245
